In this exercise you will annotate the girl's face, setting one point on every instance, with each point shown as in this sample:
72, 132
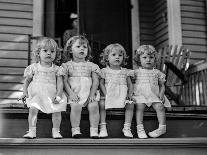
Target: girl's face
115, 58
147, 60
47, 56
79, 50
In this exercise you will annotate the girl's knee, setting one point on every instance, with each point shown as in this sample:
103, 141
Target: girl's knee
93, 107
140, 107
102, 104
76, 108
33, 111
159, 107
130, 107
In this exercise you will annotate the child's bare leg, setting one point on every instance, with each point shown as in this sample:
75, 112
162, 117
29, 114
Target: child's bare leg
32, 120
93, 109
128, 119
139, 118
75, 117
56, 120
160, 110
103, 130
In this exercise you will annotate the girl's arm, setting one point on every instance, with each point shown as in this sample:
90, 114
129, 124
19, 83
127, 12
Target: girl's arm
162, 90
69, 91
94, 87
102, 86
130, 88
59, 90
25, 89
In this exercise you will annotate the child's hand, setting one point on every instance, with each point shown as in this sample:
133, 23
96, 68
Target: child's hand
23, 98
161, 96
74, 97
91, 98
57, 100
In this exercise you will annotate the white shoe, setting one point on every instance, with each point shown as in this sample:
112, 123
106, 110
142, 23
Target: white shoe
76, 132
158, 132
103, 132
127, 132
31, 134
56, 133
94, 133
141, 132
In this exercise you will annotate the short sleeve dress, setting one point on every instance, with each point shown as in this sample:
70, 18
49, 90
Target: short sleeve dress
42, 88
80, 79
146, 88
116, 86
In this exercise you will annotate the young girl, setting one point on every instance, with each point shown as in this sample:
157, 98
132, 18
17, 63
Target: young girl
149, 90
43, 87
81, 82
116, 87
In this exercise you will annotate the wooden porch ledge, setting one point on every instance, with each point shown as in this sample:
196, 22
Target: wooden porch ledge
103, 143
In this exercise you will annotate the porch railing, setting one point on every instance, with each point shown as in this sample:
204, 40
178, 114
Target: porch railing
195, 90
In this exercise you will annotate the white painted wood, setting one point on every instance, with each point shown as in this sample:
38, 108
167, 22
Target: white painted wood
135, 26
38, 17
174, 22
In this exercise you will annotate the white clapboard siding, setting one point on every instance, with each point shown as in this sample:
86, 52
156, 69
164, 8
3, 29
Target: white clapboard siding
15, 26
194, 28
160, 26
153, 28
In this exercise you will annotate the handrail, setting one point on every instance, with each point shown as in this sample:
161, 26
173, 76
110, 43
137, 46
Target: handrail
202, 65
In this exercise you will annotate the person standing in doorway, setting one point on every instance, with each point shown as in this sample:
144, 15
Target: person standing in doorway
71, 32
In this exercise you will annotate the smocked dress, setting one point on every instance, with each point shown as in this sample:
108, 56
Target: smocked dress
116, 87
80, 79
146, 88
42, 88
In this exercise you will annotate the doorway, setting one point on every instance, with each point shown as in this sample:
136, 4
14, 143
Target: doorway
63, 10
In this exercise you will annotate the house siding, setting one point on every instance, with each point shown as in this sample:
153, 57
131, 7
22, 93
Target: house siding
194, 28
153, 22
15, 25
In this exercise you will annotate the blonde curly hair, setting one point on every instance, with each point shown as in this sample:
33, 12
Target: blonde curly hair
149, 49
110, 48
47, 43
67, 53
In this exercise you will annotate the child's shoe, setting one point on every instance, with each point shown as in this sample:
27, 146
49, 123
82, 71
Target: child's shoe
103, 131
158, 132
141, 132
31, 134
76, 132
94, 133
127, 130
56, 133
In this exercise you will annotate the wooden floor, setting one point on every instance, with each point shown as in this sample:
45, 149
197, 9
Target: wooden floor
69, 146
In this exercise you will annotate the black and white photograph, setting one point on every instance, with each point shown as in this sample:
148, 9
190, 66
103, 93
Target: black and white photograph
103, 77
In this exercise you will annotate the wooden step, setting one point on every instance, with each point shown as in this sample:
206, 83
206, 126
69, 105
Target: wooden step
14, 124
158, 146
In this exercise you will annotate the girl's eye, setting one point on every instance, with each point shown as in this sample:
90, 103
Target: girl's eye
52, 51
120, 55
113, 54
84, 46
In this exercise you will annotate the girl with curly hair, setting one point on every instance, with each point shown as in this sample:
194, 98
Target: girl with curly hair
116, 87
43, 86
149, 90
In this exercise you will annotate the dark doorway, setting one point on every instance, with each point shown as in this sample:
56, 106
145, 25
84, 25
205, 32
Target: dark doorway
63, 10
107, 21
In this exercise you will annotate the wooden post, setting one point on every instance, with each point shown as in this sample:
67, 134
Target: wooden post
38, 18
135, 26
174, 22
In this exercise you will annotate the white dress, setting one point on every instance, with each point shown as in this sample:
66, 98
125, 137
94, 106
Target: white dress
116, 87
42, 88
146, 88
80, 79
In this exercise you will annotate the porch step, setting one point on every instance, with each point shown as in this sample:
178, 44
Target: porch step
14, 124
161, 146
